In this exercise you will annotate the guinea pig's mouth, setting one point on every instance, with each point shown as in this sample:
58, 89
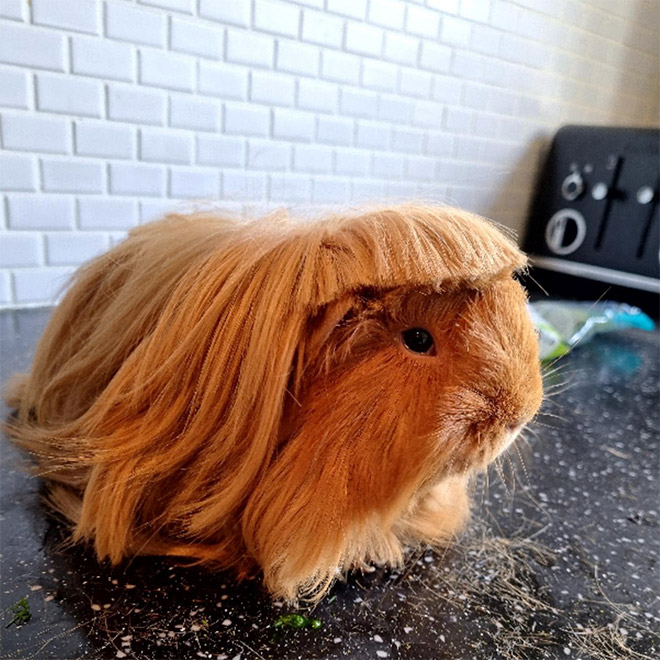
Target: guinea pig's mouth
505, 440
477, 447
510, 434
494, 443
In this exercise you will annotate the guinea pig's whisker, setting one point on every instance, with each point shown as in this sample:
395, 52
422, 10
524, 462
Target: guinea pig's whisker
522, 461
508, 469
523, 438
483, 485
548, 370
537, 284
557, 392
560, 358
538, 505
514, 459
551, 402
500, 472
557, 379
553, 415
524, 444
552, 381
486, 493
538, 422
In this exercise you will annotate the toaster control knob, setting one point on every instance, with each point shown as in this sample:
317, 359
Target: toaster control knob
599, 191
565, 231
645, 195
572, 187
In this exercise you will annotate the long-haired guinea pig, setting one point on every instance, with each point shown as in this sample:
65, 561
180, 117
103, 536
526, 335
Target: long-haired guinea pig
296, 398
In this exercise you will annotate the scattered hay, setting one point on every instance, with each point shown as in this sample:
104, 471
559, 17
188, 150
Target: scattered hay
503, 584
609, 642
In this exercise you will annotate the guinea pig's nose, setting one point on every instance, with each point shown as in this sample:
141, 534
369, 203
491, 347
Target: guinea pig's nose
516, 425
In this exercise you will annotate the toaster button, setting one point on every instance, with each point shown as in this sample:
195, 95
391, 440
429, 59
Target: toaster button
599, 191
572, 187
645, 195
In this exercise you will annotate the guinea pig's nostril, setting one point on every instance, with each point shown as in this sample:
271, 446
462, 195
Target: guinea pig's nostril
516, 425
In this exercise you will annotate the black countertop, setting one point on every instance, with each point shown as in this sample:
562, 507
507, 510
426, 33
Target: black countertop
559, 562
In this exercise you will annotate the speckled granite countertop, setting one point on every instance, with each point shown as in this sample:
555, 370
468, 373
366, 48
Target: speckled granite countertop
561, 559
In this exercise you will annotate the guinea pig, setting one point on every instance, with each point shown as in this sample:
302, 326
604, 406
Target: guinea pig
281, 397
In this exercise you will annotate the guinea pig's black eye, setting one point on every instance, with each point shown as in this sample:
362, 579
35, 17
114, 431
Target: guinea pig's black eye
418, 340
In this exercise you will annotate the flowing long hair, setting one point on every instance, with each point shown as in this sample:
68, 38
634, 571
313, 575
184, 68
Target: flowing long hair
157, 399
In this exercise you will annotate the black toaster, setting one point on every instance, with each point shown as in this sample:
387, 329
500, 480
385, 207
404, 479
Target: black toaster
595, 215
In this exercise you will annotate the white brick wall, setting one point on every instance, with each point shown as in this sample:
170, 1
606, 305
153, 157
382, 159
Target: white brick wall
113, 112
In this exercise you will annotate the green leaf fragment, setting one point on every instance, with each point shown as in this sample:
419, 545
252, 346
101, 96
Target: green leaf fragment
297, 621
21, 612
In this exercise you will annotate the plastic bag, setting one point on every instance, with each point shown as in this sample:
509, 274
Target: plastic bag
562, 324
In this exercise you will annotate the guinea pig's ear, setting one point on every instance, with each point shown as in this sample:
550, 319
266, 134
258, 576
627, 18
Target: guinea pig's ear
320, 325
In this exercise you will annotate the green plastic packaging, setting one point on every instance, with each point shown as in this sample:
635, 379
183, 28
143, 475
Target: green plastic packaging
562, 324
